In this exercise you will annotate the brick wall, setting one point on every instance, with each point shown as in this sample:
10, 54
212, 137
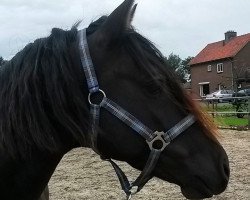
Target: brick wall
200, 75
242, 64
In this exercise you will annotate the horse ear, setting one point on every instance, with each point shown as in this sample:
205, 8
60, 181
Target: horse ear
118, 21
132, 13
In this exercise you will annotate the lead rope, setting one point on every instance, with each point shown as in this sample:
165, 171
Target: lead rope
150, 136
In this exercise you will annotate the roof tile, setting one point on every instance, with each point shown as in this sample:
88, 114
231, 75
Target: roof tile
219, 50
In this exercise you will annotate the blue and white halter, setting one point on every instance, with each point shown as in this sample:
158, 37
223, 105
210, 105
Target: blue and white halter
150, 136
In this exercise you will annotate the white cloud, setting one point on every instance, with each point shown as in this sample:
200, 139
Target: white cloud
182, 27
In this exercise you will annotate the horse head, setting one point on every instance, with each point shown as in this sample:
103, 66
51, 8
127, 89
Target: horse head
132, 72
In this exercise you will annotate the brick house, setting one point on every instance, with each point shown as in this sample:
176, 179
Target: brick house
222, 65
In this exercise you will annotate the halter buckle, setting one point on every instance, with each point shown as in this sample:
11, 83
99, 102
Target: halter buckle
133, 190
129, 197
158, 138
92, 96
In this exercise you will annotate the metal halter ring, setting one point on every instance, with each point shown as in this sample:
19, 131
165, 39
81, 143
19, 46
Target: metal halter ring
158, 137
93, 93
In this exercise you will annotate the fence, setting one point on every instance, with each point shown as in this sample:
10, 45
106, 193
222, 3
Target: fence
240, 107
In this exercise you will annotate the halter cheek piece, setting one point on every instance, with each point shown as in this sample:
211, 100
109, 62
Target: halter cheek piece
151, 137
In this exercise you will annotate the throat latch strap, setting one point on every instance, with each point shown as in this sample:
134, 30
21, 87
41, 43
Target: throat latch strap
132, 188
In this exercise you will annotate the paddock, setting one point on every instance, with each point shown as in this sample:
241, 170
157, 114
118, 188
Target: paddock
81, 174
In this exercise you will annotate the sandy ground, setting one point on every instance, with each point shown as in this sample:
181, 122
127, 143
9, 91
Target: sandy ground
82, 175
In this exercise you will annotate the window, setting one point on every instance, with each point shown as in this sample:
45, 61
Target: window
220, 68
209, 68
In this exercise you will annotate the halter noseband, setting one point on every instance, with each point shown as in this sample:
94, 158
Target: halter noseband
150, 136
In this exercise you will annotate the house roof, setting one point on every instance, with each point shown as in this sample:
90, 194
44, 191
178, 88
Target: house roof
219, 50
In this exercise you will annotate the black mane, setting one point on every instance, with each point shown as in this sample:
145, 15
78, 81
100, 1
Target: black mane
40, 97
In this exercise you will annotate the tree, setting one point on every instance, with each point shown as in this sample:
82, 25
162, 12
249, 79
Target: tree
173, 61
180, 66
186, 68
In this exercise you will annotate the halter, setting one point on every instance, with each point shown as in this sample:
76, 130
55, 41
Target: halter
151, 137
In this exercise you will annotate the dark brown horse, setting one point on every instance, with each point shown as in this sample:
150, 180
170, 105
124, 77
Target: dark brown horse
45, 112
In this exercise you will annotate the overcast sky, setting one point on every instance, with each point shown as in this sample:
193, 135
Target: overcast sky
183, 27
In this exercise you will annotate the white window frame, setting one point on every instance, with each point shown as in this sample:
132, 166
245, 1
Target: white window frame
209, 68
219, 67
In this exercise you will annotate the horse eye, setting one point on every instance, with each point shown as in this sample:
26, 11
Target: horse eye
153, 88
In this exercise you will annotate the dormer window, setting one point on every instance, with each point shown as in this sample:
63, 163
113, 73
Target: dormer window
209, 68
219, 67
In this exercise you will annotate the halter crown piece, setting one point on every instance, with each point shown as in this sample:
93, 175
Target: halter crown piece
150, 136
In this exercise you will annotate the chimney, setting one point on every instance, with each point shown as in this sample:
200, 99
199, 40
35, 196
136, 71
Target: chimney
229, 35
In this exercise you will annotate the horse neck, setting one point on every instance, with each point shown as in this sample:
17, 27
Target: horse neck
26, 178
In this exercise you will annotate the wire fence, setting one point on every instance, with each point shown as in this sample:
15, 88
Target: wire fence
238, 107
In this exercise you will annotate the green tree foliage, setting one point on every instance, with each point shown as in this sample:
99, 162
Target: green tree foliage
186, 68
180, 66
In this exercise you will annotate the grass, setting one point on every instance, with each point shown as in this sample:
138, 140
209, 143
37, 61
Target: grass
226, 120
223, 107
230, 121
